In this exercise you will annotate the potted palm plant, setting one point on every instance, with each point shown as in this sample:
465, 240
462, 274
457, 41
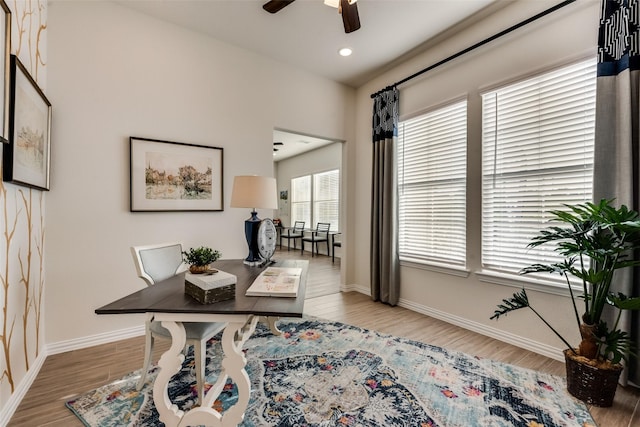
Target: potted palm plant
595, 240
200, 258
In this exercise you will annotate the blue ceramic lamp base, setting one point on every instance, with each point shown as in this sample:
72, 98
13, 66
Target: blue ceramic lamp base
251, 227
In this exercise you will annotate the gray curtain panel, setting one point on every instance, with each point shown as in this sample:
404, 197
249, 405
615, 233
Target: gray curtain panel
617, 157
385, 264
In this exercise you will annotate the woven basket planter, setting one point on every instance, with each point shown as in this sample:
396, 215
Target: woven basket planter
198, 269
590, 384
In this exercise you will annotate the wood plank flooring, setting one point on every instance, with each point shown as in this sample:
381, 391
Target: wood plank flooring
65, 375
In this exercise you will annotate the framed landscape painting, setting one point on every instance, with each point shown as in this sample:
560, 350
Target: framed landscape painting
26, 159
173, 176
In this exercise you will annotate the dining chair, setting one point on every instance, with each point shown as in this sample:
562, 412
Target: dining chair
320, 234
155, 263
293, 233
335, 244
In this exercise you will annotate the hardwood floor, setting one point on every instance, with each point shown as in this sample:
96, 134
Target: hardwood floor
65, 375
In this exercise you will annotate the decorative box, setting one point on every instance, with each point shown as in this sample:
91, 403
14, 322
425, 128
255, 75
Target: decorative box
210, 288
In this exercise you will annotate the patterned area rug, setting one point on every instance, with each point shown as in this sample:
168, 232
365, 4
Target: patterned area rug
324, 374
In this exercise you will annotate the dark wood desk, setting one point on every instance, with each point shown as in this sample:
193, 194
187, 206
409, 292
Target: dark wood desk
169, 304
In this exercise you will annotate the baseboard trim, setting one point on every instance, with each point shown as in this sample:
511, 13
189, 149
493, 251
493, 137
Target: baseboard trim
18, 394
90, 341
480, 328
60, 347
355, 288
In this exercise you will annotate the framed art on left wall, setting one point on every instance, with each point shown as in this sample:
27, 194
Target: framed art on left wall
26, 159
5, 69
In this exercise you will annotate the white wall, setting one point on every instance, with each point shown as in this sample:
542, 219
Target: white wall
114, 73
564, 36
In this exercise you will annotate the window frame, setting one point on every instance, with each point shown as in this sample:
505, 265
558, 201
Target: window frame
430, 182
314, 200
543, 283
303, 203
313, 217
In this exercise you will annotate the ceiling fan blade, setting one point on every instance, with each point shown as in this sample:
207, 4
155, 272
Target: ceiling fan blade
350, 17
274, 6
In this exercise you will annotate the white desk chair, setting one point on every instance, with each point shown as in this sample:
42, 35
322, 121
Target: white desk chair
155, 263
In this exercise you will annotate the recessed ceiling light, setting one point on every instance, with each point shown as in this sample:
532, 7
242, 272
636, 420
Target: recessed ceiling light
345, 51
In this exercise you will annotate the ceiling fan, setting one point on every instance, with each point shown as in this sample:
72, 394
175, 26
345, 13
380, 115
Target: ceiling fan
347, 8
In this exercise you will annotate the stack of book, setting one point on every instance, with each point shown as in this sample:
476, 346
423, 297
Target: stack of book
276, 282
211, 287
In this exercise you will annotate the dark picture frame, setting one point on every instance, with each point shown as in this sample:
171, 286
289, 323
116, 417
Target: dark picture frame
167, 176
5, 70
27, 158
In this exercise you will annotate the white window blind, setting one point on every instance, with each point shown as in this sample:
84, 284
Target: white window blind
537, 141
326, 198
432, 162
301, 200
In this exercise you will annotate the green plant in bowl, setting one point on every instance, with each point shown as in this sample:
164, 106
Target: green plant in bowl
200, 258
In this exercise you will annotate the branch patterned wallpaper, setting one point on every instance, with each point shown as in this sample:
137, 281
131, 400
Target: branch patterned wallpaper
22, 226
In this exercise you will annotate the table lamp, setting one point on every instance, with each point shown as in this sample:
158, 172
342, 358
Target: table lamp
251, 191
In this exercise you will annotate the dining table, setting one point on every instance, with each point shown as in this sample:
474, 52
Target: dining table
169, 304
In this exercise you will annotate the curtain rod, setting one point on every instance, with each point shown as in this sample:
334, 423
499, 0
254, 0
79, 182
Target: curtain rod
477, 45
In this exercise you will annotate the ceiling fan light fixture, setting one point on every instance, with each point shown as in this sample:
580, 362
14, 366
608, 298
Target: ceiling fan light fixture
336, 3
347, 8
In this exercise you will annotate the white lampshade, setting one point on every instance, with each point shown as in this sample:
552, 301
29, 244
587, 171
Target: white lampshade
251, 191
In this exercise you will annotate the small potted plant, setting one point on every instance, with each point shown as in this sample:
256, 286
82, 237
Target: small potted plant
595, 240
200, 258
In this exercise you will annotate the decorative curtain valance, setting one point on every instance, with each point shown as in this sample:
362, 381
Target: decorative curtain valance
385, 115
618, 37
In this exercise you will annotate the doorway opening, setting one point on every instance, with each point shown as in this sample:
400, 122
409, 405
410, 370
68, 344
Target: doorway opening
309, 173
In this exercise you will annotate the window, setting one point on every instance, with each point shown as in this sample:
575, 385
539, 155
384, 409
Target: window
432, 163
537, 143
326, 198
325, 201
301, 200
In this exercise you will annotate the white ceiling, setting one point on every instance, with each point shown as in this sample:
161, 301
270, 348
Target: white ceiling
295, 143
308, 34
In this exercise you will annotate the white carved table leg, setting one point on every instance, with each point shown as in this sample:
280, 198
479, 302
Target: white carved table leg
271, 321
170, 363
233, 364
233, 339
